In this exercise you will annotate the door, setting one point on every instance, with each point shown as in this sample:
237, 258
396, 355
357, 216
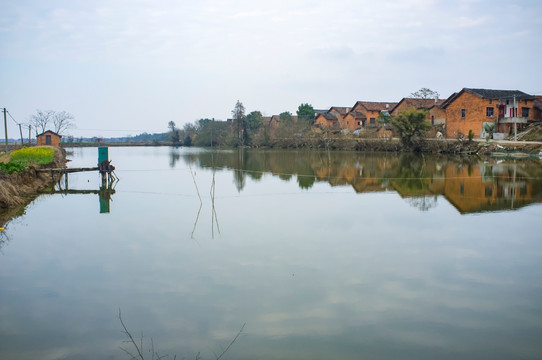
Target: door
47, 139
501, 111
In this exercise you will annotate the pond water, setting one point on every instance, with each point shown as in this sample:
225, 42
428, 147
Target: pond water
320, 255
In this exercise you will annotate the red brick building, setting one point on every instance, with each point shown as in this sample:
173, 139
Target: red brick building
472, 109
48, 138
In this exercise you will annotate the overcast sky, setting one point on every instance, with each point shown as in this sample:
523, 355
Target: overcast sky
130, 66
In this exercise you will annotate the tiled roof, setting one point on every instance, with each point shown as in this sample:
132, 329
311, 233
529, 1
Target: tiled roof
376, 106
341, 110
49, 132
499, 94
358, 115
329, 116
420, 103
449, 100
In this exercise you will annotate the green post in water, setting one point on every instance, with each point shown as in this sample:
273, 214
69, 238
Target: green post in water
104, 205
103, 154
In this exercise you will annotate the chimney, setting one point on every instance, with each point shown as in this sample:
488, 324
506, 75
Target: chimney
436, 99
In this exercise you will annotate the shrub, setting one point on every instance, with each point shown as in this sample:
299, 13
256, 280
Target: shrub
12, 166
410, 125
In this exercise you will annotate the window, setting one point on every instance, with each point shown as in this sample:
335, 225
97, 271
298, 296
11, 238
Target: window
524, 112
372, 120
490, 101
462, 188
463, 113
489, 191
490, 112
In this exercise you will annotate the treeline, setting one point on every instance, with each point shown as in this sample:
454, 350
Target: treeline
242, 129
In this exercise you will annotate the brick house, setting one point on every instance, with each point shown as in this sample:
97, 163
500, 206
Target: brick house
436, 115
368, 111
326, 121
471, 109
332, 118
49, 137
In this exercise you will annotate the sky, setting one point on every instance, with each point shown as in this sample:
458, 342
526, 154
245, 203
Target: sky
123, 67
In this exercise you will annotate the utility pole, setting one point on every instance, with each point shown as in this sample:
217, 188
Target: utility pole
29, 130
515, 110
6, 129
21, 131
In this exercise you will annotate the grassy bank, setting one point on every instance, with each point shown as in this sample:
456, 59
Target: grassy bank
19, 160
19, 182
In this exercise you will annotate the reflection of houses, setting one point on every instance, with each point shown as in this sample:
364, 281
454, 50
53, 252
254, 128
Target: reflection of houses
490, 188
472, 109
468, 187
48, 138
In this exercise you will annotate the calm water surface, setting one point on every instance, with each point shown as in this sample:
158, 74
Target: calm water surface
322, 255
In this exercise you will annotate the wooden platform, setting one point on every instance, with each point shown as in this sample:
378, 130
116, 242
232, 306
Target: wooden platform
67, 170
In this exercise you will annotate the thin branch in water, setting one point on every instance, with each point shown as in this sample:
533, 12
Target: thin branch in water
195, 184
214, 217
196, 222
231, 343
132, 341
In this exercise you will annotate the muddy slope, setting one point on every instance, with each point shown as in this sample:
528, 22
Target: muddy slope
18, 189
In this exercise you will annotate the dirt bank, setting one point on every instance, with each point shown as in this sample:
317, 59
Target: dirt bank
18, 189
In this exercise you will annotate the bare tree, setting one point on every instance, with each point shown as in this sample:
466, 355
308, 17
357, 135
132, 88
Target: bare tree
41, 119
62, 121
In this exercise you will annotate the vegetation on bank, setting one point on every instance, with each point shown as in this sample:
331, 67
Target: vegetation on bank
20, 159
18, 184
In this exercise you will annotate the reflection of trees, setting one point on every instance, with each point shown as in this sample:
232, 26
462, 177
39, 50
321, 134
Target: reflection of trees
305, 181
423, 203
239, 179
411, 174
4, 239
416, 177
238, 173
173, 157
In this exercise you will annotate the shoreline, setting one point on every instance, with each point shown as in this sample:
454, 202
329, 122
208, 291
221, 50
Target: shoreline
17, 190
426, 146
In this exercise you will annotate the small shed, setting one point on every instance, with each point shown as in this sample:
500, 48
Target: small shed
49, 138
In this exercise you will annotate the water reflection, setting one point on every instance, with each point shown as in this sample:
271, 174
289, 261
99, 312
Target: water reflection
315, 270
107, 189
469, 184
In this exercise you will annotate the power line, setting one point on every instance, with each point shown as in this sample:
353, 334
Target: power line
15, 121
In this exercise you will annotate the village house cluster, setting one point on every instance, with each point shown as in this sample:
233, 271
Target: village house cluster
480, 111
